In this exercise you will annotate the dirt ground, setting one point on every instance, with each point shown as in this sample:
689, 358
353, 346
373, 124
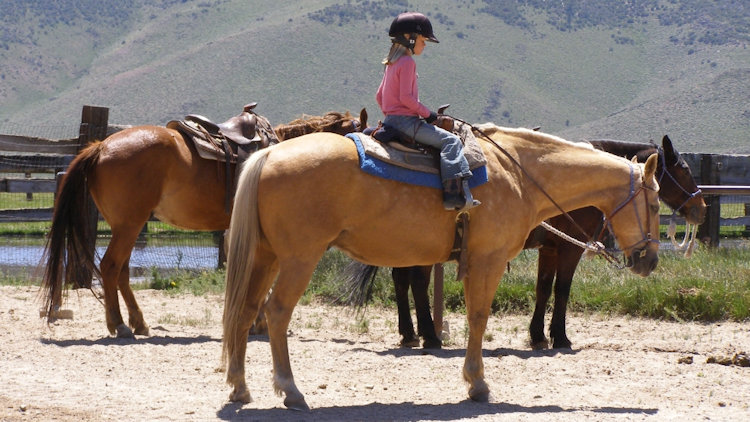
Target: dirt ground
353, 370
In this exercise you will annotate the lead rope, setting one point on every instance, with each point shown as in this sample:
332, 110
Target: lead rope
591, 246
688, 242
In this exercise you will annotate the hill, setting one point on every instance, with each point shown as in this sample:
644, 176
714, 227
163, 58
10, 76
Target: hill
580, 69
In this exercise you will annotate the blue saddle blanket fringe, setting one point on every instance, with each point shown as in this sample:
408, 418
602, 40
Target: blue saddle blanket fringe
380, 168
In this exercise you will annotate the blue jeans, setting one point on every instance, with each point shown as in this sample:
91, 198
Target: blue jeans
453, 164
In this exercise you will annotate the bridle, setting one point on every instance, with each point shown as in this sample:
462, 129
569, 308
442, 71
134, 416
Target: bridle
646, 237
593, 246
688, 243
664, 172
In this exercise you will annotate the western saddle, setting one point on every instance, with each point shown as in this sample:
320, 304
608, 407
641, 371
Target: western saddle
232, 141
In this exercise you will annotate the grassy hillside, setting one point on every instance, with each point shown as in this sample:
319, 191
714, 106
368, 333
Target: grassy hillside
627, 70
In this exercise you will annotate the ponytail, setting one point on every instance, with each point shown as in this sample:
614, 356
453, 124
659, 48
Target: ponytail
397, 50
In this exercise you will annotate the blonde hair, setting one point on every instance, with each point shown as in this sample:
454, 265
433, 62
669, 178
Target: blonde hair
397, 50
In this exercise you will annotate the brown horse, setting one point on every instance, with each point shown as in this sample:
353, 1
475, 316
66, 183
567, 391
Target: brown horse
131, 175
558, 258
387, 223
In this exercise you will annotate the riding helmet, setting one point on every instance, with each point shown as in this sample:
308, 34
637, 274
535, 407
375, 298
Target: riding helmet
412, 23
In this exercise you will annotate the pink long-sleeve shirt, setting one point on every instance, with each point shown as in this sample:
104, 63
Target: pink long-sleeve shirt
398, 93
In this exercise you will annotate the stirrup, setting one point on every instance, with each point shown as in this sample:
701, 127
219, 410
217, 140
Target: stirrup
456, 195
470, 201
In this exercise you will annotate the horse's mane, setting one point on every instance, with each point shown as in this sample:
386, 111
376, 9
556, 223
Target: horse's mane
615, 144
530, 134
309, 124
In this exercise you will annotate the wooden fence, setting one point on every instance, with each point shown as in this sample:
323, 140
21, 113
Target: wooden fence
724, 179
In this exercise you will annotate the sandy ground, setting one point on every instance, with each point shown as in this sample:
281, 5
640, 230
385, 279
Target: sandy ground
353, 370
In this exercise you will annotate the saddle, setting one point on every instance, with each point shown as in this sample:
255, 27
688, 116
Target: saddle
393, 138
410, 155
231, 142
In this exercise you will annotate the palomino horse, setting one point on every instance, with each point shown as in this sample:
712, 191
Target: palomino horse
558, 258
131, 175
387, 223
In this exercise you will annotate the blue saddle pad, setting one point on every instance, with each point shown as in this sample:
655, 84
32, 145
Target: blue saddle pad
374, 166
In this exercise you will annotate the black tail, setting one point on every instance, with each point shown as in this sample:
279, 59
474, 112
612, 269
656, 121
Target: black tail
69, 252
358, 280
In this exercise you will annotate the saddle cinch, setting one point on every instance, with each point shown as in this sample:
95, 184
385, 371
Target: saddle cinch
231, 142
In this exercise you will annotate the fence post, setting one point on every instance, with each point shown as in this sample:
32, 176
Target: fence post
708, 232
438, 275
94, 121
220, 239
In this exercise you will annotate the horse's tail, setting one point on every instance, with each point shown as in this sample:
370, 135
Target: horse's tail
244, 232
358, 281
69, 251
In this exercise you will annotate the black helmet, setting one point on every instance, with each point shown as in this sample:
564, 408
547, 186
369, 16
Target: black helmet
411, 23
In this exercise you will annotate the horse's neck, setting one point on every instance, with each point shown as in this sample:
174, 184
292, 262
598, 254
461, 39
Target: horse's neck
575, 177
642, 150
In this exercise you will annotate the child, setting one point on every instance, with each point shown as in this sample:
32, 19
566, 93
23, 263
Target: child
398, 98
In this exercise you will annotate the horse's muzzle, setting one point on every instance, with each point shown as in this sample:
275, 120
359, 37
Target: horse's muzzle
642, 261
696, 214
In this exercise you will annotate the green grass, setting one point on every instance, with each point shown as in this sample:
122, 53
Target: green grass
199, 283
13, 200
713, 285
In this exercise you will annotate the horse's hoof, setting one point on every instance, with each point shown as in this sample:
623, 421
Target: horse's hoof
480, 394
539, 345
409, 343
242, 396
433, 344
298, 404
123, 331
563, 344
143, 331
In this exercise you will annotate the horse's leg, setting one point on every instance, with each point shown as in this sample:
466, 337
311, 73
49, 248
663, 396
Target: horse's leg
405, 327
569, 257
420, 283
111, 266
479, 290
294, 276
135, 315
547, 266
262, 274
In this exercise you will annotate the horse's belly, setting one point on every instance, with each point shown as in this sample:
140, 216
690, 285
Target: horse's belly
398, 246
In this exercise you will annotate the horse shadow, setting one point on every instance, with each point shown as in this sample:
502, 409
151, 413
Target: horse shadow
408, 411
444, 353
461, 352
114, 341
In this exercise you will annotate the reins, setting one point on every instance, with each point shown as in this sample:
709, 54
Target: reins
592, 246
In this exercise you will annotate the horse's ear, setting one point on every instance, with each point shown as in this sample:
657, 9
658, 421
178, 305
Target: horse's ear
363, 118
670, 155
650, 166
634, 159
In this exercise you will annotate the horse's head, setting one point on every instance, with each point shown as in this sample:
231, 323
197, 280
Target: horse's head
343, 123
678, 189
333, 121
635, 221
